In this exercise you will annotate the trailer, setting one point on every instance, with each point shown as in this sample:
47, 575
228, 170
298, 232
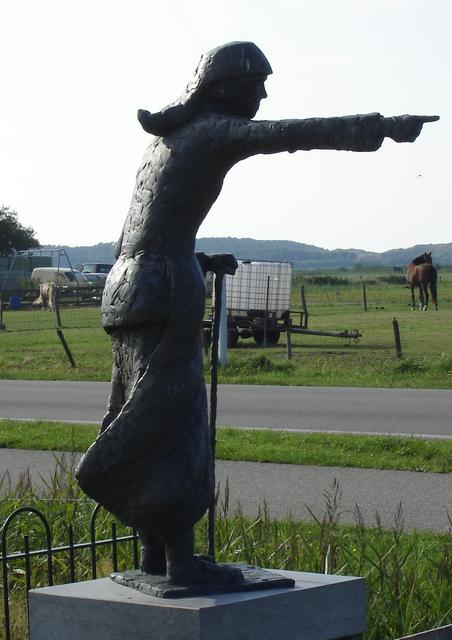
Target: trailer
258, 300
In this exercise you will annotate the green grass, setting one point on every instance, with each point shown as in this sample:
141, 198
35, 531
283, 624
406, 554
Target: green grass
408, 574
370, 362
30, 351
335, 450
338, 450
46, 435
39, 355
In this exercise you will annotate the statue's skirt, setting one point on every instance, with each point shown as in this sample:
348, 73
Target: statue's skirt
151, 465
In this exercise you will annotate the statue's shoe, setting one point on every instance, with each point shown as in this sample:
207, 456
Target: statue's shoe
204, 572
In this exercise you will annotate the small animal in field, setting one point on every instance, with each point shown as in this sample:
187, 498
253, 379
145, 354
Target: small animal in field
47, 296
422, 274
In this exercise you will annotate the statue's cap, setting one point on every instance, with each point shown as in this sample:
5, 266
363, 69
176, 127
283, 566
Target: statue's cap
231, 60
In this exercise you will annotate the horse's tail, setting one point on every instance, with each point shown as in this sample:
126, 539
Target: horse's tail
433, 289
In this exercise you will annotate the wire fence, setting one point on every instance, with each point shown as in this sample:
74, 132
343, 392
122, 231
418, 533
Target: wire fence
80, 307
367, 293
20, 309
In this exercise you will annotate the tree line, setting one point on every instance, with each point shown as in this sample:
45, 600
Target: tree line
13, 235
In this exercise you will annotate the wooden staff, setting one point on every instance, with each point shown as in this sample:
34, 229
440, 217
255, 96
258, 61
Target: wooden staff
218, 285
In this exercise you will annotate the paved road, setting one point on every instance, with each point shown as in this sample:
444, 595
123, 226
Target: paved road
403, 411
426, 497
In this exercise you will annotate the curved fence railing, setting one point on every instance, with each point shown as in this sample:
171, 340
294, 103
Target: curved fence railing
21, 562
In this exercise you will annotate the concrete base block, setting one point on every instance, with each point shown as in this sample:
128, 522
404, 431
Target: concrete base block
319, 607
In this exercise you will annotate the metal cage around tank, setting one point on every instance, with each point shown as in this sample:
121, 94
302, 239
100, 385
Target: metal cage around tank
259, 286
258, 301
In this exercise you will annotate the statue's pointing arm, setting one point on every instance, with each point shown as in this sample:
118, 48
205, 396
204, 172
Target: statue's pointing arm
347, 133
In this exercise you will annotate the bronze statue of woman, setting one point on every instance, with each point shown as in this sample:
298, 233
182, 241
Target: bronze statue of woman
151, 464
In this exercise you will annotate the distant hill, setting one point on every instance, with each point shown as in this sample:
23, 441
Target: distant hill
102, 252
302, 256
306, 256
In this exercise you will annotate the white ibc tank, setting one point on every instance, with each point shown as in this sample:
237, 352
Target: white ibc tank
247, 289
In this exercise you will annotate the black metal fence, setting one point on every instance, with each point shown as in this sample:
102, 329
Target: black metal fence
51, 556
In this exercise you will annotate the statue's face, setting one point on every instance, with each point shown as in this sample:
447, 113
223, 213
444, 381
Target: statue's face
239, 96
246, 100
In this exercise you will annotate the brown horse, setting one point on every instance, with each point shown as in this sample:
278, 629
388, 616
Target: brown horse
421, 273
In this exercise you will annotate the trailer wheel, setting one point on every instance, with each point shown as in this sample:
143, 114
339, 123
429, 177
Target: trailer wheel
233, 338
272, 337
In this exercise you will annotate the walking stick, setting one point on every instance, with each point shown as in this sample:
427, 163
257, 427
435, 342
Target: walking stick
213, 402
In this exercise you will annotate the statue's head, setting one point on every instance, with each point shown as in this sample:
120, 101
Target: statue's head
231, 77
232, 60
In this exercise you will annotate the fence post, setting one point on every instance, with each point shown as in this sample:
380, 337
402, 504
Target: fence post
304, 307
364, 296
2, 326
65, 346
205, 341
398, 344
57, 310
289, 339
264, 344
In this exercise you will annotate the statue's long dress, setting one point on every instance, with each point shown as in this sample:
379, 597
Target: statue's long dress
151, 465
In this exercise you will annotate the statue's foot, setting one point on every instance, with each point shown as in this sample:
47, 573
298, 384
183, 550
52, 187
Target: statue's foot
153, 560
199, 571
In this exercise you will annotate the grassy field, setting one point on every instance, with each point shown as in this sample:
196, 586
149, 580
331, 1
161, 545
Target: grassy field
328, 450
30, 351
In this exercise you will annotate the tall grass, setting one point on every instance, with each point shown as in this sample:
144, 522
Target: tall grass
408, 575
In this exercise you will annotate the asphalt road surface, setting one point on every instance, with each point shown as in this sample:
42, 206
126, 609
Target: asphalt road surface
426, 412
425, 498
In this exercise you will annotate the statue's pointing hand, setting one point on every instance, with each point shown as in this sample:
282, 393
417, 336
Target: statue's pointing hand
406, 128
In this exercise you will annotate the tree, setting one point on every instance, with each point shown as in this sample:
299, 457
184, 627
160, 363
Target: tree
13, 235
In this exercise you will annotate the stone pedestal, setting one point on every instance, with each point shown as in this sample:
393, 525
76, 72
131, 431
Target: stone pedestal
319, 607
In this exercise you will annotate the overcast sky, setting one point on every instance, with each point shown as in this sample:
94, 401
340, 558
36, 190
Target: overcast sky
74, 72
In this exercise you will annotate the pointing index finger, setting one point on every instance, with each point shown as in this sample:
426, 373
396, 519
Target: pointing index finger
428, 118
